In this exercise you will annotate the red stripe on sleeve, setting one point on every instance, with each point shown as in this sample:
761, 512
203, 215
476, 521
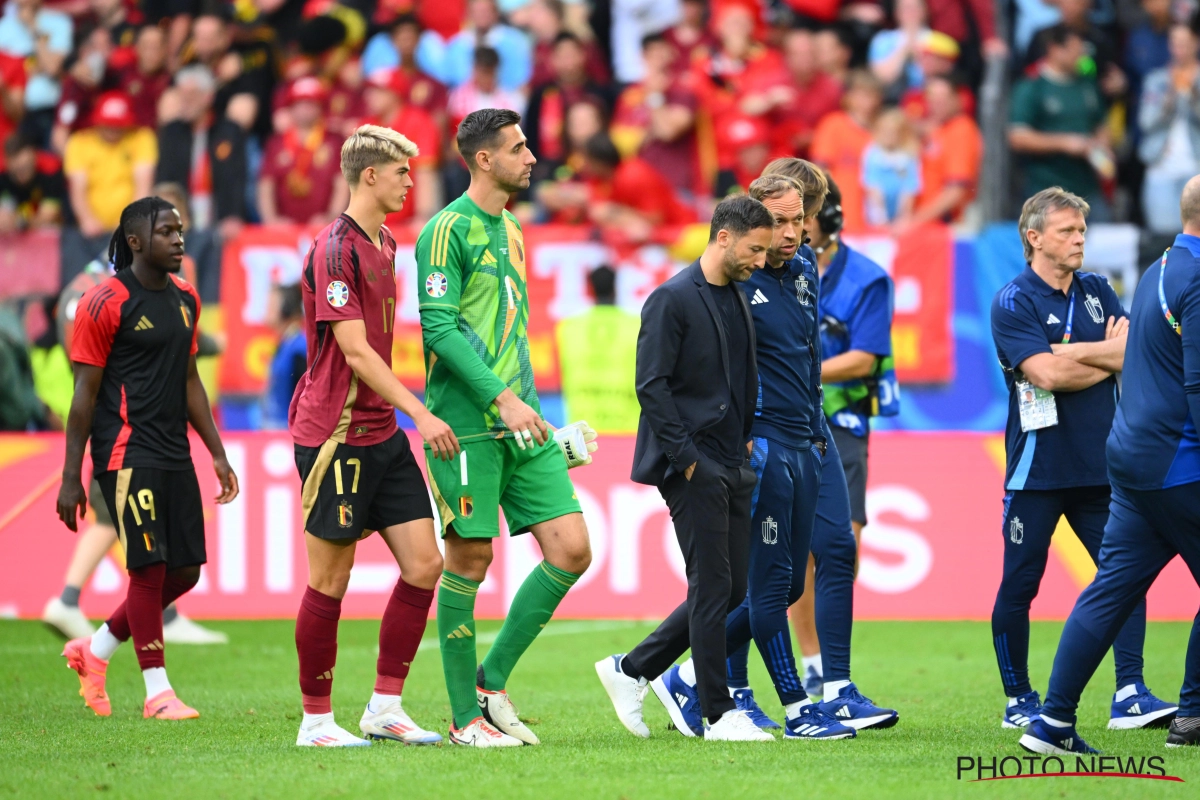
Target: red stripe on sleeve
97, 319
117, 459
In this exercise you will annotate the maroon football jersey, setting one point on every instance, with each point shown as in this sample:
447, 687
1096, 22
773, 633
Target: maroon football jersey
144, 340
346, 276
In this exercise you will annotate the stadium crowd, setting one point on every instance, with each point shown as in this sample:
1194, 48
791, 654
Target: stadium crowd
640, 117
642, 114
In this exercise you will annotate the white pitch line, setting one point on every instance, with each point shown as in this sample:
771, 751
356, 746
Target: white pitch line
558, 629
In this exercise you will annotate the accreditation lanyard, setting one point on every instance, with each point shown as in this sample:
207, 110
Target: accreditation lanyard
1070, 317
1162, 296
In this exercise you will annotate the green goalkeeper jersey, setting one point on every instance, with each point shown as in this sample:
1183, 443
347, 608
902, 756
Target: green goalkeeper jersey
474, 317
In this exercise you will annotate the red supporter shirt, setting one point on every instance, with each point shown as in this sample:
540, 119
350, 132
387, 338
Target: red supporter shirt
639, 186
144, 341
417, 126
678, 161
792, 126
346, 276
144, 90
303, 172
12, 74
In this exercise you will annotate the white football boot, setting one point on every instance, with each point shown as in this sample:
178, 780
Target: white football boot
390, 722
736, 726
497, 709
480, 734
322, 731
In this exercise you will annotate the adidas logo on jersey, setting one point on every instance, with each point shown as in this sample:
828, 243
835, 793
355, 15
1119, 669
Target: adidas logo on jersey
844, 711
143, 325
1052, 320
758, 298
487, 258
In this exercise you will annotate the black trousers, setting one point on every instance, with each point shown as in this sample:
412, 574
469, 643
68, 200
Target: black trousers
711, 513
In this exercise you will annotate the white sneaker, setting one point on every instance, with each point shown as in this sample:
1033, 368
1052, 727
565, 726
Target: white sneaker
182, 630
497, 708
324, 732
391, 722
480, 734
67, 620
627, 695
736, 726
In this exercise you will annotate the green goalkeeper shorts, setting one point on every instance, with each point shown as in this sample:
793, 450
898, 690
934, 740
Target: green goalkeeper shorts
531, 485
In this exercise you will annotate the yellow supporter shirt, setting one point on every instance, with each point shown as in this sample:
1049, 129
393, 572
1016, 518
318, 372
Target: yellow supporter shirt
109, 168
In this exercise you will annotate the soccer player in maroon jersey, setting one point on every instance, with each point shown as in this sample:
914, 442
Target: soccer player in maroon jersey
358, 471
136, 390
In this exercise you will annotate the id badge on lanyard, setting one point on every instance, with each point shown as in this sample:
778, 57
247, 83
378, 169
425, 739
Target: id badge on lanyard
1036, 406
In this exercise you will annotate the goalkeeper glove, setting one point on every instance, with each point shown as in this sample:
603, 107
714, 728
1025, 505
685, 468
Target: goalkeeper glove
577, 442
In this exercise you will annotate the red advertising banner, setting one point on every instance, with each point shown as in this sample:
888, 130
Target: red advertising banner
932, 550
560, 258
921, 263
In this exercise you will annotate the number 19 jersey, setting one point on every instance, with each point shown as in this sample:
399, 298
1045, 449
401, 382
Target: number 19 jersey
474, 317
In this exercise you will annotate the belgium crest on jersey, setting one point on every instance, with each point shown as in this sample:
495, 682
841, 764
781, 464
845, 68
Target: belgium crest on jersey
516, 246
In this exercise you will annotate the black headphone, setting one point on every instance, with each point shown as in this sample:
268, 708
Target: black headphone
830, 218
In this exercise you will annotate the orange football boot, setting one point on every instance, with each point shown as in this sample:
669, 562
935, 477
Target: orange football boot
92, 675
165, 705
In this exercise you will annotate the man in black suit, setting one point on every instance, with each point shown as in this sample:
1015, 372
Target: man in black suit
697, 382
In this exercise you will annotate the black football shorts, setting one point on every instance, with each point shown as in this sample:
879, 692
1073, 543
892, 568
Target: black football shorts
158, 515
349, 492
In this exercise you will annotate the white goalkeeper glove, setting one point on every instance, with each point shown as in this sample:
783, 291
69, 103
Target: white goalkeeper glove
577, 442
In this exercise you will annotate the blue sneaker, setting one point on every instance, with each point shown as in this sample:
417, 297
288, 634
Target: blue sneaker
681, 701
854, 710
1021, 711
1142, 710
1042, 737
814, 722
814, 684
745, 701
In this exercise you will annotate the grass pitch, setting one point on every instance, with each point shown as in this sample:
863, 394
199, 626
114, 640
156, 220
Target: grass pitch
941, 676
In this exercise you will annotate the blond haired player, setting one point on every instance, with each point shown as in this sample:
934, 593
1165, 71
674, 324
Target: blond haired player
358, 471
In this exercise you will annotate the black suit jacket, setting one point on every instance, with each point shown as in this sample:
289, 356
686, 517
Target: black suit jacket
683, 375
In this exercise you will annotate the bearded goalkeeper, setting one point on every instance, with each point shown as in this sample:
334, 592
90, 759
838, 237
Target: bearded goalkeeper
474, 319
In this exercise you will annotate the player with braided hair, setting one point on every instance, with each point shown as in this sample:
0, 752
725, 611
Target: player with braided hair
136, 389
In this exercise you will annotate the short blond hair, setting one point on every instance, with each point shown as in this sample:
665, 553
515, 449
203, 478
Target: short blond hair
370, 146
770, 187
1042, 205
813, 183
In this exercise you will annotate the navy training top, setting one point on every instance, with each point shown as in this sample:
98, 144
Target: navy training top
1153, 444
783, 303
1027, 317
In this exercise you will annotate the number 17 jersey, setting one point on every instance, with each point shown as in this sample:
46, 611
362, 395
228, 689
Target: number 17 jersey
346, 276
474, 317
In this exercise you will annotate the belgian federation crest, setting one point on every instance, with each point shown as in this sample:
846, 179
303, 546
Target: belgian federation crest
1016, 530
770, 531
1095, 309
345, 514
802, 292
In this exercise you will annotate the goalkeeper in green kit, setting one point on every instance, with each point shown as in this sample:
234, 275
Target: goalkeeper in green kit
474, 321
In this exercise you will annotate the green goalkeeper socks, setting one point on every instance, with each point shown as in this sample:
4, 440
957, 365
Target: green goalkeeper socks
456, 631
531, 609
